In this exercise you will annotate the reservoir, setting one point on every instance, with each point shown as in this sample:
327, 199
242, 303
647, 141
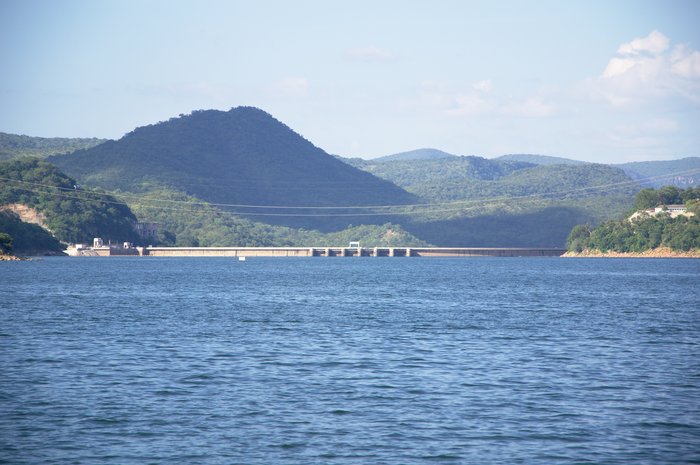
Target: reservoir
358, 361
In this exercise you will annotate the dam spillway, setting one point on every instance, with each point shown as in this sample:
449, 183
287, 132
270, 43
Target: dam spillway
349, 252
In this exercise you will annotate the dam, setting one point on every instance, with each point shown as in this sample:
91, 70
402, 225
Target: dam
342, 252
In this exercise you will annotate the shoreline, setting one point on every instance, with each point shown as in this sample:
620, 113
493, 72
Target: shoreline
11, 258
661, 252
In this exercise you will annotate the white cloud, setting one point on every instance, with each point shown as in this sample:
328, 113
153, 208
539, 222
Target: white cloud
370, 53
293, 86
685, 62
618, 66
655, 43
647, 71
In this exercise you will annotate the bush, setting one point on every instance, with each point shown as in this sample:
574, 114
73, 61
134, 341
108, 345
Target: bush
5, 243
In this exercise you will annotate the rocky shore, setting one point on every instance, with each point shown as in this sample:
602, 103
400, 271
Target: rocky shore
9, 258
661, 252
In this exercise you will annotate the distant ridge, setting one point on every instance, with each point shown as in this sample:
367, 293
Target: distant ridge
684, 172
435, 154
14, 146
540, 159
419, 154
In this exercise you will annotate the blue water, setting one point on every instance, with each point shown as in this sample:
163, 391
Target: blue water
349, 361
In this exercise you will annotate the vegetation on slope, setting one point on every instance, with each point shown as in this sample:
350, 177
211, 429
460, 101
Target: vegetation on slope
26, 238
242, 156
72, 214
433, 172
186, 221
547, 181
505, 201
543, 227
14, 146
646, 231
667, 195
77, 215
5, 243
534, 206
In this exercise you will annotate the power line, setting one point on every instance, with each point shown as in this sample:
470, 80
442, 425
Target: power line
205, 208
424, 208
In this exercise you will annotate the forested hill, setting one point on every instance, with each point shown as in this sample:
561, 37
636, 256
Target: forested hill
550, 181
16, 146
241, 156
72, 214
468, 178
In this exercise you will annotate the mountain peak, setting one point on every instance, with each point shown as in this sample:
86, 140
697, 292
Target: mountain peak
248, 110
242, 156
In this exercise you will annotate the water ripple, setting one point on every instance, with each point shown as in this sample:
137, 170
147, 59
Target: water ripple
209, 361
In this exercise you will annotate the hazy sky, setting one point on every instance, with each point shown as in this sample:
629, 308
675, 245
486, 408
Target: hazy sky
606, 81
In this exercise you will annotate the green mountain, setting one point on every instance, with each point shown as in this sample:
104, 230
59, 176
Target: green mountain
496, 203
513, 200
69, 212
547, 181
540, 159
239, 157
420, 154
484, 182
14, 146
681, 173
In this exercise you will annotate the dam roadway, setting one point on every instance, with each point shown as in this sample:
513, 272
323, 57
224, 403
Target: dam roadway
348, 252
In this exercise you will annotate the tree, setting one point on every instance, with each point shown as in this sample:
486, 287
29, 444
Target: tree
5, 243
669, 195
579, 238
646, 198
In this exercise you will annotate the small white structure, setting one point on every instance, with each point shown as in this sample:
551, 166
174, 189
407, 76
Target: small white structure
354, 245
673, 211
97, 242
670, 208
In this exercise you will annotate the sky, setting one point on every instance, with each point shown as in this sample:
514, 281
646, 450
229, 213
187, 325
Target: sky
600, 81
